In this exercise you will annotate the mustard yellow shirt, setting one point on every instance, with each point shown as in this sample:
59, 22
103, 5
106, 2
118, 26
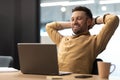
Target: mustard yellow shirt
77, 53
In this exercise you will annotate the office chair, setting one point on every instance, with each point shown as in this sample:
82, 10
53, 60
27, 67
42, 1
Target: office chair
6, 61
95, 67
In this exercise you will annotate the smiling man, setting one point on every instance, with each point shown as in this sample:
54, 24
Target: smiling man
77, 53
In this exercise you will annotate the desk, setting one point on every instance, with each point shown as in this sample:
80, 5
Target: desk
19, 76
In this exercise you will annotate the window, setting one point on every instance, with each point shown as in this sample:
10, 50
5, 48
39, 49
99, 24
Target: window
55, 10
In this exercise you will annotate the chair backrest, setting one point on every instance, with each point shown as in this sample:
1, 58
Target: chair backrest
95, 67
6, 61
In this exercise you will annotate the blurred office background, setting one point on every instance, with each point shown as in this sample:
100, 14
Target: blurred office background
60, 10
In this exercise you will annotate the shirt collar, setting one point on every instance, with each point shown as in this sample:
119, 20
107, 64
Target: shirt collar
83, 33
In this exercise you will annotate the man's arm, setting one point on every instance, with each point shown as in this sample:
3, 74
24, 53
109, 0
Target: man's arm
52, 30
110, 22
65, 25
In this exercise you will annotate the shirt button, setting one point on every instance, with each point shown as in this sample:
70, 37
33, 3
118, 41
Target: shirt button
66, 39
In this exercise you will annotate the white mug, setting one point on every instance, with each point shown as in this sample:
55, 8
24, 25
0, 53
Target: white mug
104, 69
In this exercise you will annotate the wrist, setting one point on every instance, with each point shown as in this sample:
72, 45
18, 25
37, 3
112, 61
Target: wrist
96, 20
105, 17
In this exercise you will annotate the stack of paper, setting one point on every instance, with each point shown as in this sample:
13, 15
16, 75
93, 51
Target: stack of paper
7, 69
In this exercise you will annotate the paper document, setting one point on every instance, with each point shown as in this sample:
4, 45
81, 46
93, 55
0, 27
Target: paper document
7, 69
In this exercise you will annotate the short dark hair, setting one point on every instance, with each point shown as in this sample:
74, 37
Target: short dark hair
85, 9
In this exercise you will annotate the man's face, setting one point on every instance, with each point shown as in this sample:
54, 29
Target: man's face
79, 22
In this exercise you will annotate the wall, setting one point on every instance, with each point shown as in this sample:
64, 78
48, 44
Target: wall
19, 22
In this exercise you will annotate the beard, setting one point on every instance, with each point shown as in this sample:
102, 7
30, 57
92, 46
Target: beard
79, 28
76, 29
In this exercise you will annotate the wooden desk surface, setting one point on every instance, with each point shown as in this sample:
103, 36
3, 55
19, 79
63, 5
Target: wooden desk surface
19, 76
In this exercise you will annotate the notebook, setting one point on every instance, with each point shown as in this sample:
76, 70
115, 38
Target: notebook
36, 58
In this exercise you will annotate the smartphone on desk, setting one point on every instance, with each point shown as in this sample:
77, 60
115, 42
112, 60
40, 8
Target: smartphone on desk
83, 76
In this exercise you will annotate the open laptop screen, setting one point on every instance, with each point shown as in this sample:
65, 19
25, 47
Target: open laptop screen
36, 58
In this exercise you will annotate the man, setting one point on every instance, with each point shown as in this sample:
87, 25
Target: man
77, 53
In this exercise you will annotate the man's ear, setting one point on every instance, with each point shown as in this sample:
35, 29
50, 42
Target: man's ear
89, 23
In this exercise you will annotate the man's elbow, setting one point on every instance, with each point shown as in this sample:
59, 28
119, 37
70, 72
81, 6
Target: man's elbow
47, 26
116, 19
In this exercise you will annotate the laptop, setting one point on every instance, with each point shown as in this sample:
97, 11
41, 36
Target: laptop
37, 58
